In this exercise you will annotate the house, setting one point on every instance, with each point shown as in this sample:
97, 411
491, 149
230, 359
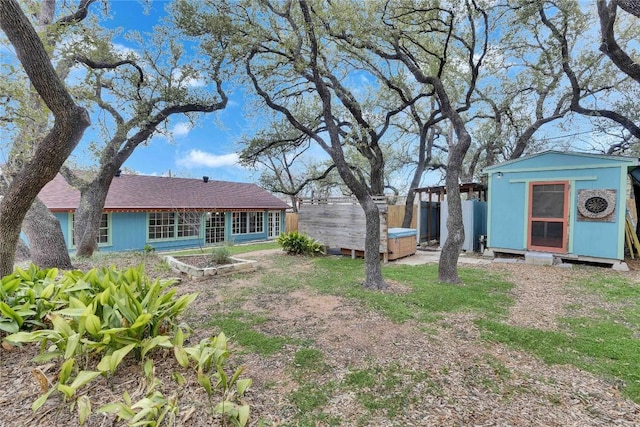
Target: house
552, 204
172, 213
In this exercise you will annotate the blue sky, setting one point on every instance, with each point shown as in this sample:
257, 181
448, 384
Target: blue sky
210, 148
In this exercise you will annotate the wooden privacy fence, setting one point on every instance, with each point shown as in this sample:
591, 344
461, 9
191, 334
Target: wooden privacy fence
395, 215
339, 222
291, 222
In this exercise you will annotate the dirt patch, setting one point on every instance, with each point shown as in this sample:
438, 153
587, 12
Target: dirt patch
456, 377
544, 294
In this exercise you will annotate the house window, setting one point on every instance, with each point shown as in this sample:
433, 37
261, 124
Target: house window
161, 225
214, 227
170, 225
188, 224
247, 222
103, 230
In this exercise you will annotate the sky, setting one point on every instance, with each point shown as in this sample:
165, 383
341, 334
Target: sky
211, 147
208, 149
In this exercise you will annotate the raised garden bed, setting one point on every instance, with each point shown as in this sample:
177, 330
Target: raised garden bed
200, 266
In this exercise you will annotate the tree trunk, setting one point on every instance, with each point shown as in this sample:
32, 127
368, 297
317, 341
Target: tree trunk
48, 248
22, 251
408, 209
89, 213
427, 137
373, 270
448, 267
69, 125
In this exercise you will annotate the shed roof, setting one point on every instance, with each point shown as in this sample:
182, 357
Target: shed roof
630, 161
144, 192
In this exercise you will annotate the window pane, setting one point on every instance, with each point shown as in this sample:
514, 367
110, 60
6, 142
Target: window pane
161, 225
255, 222
239, 223
214, 228
103, 229
546, 234
103, 232
548, 201
188, 224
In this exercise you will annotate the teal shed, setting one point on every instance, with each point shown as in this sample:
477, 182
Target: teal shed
570, 205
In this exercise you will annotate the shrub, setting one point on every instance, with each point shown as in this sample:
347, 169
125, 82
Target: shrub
220, 255
295, 243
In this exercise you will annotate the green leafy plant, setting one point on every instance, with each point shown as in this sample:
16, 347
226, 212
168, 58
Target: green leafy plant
209, 358
105, 312
220, 255
295, 243
113, 314
153, 409
26, 297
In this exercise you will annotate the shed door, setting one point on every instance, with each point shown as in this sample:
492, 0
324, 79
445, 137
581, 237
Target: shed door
548, 216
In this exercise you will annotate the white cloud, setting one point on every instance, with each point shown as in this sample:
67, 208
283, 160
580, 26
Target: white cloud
181, 129
189, 81
198, 158
124, 51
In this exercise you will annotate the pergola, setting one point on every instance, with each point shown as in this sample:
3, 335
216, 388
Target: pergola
472, 189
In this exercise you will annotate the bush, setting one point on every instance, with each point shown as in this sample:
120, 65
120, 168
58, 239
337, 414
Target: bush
221, 255
295, 243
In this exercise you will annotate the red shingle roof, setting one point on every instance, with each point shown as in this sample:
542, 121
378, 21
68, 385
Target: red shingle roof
140, 192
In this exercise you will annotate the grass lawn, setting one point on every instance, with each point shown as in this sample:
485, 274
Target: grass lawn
604, 341
233, 249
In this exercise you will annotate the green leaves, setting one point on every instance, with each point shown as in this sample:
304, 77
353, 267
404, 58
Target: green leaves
12, 321
294, 243
114, 315
110, 362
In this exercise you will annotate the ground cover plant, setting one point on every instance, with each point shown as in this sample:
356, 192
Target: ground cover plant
295, 243
88, 323
322, 351
605, 342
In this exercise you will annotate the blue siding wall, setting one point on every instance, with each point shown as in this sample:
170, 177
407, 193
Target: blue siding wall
509, 202
64, 224
597, 238
560, 161
129, 232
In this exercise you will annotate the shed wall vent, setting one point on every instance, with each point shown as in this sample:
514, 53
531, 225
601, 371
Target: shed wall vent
597, 205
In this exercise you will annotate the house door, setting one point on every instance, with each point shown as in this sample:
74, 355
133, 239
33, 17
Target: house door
214, 227
273, 224
548, 216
